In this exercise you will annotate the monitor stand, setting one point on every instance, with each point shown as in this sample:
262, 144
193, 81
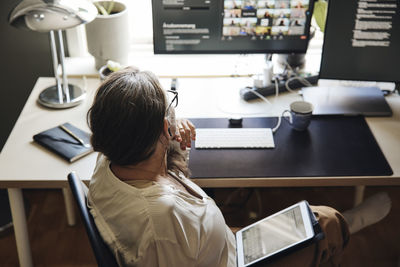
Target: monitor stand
296, 61
345, 100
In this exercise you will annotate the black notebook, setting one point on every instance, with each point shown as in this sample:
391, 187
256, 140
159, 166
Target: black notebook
64, 144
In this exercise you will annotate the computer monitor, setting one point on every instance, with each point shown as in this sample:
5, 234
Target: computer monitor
231, 26
362, 41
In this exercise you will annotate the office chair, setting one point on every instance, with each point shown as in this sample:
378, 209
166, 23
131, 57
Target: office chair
103, 255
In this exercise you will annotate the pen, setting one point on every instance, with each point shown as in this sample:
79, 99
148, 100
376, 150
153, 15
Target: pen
68, 131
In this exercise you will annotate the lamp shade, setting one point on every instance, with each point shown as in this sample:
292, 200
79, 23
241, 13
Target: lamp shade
45, 15
55, 16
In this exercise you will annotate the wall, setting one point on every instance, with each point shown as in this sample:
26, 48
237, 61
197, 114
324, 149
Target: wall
25, 56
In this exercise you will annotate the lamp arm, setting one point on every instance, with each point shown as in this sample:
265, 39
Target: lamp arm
55, 66
62, 59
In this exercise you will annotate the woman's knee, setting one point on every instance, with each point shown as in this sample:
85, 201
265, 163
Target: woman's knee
333, 224
336, 233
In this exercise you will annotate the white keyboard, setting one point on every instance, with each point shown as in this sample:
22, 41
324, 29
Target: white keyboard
234, 138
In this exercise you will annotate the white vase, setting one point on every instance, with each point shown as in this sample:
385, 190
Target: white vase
108, 36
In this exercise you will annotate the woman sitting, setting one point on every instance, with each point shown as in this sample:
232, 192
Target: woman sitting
146, 209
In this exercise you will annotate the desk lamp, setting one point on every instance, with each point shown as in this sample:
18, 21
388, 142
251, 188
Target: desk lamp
54, 16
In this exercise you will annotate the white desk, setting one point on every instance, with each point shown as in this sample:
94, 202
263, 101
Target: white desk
24, 164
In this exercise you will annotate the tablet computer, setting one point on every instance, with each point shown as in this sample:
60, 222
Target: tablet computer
274, 235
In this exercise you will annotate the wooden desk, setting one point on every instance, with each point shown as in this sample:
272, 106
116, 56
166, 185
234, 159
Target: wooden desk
24, 164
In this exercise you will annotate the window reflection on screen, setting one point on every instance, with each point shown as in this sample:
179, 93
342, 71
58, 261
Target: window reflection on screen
273, 234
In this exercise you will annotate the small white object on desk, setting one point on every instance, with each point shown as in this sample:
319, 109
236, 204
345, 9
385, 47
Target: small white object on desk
268, 73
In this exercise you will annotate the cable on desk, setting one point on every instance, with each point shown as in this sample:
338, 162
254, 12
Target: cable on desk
301, 79
278, 124
267, 101
259, 95
288, 75
276, 80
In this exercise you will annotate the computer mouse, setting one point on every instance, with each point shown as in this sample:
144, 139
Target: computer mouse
235, 122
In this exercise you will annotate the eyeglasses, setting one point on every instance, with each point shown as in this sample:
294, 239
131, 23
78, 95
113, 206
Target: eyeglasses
174, 101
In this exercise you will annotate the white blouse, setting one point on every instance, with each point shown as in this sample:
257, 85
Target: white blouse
157, 224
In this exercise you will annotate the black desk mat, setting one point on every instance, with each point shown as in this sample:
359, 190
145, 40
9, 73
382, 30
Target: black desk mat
331, 146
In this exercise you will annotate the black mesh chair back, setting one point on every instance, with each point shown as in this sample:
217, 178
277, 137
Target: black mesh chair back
103, 255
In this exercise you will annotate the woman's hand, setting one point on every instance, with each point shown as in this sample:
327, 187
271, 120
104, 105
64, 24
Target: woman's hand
185, 133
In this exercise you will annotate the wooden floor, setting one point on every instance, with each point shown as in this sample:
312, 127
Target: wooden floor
56, 244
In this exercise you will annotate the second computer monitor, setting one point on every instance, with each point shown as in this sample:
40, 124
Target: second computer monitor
362, 41
231, 26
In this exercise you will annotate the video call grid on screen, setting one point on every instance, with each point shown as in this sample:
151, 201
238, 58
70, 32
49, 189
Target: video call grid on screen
231, 26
